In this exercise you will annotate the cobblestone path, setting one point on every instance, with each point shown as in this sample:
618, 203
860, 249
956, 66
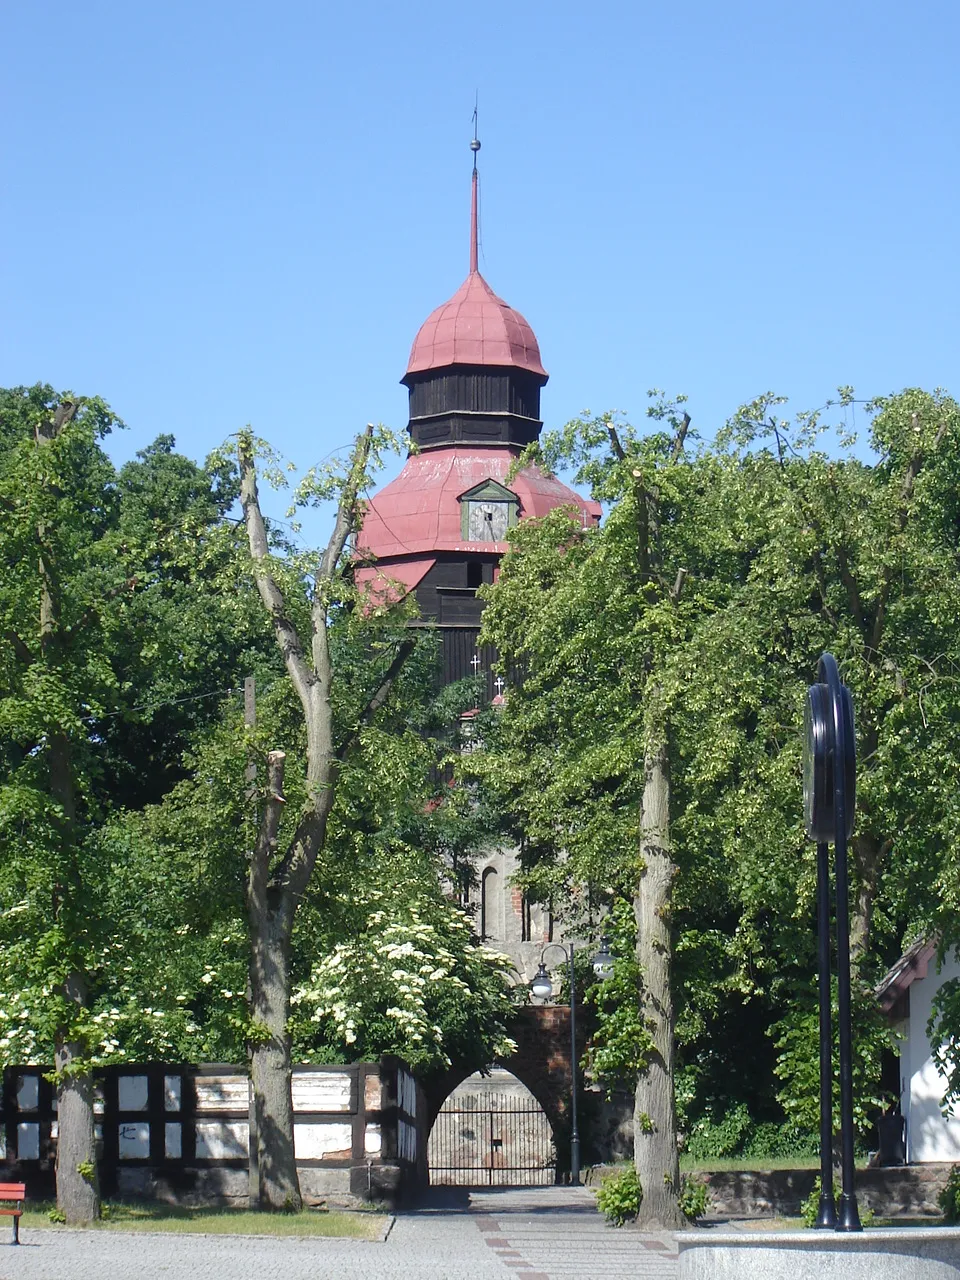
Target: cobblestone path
543, 1233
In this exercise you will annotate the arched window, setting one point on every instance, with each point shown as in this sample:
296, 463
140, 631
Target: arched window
490, 904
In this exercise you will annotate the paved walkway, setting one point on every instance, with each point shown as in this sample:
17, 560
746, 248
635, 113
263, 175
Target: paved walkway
543, 1233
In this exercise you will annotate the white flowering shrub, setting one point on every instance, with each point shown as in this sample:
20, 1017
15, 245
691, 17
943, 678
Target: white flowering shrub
413, 981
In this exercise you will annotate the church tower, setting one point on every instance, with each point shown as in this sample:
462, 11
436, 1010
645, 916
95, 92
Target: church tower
439, 530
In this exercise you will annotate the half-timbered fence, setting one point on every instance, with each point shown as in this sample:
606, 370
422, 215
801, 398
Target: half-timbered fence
183, 1133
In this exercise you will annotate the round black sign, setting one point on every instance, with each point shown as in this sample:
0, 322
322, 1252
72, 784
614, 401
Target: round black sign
822, 705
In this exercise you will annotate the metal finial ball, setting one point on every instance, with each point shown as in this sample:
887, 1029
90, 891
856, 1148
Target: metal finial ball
475, 145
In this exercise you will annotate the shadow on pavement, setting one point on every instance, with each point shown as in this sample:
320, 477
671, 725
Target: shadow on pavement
528, 1201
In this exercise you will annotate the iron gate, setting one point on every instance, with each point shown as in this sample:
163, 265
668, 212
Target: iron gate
493, 1146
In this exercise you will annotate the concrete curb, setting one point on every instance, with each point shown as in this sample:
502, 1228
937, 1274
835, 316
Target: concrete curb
882, 1253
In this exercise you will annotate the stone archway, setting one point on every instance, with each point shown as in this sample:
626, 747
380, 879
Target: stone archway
491, 1132
541, 1063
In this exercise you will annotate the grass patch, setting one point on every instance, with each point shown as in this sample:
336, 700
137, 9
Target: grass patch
364, 1225
723, 1164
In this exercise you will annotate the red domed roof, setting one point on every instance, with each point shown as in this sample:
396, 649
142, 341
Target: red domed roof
475, 327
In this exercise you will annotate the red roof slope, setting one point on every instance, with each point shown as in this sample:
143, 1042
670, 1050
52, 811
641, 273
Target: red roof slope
418, 513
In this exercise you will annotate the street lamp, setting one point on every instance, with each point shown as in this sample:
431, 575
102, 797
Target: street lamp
603, 961
542, 989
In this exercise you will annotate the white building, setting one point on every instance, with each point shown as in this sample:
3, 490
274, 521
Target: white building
906, 995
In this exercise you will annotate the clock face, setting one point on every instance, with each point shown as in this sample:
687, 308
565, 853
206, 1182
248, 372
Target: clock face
487, 521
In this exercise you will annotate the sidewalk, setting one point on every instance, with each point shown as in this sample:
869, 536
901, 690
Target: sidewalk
535, 1233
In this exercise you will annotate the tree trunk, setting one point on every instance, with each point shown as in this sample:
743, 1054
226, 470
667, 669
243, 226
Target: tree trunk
869, 854
270, 1069
78, 1187
655, 1118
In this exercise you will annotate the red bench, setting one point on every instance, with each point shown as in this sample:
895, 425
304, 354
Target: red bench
10, 1191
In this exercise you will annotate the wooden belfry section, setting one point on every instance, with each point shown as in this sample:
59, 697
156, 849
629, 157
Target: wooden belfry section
439, 530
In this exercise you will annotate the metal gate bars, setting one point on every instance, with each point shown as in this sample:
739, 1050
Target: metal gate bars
492, 1147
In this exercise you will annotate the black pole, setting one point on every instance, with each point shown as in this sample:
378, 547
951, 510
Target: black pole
827, 1214
575, 1132
849, 1214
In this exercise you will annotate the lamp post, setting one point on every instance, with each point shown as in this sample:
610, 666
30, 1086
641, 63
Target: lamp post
829, 797
542, 988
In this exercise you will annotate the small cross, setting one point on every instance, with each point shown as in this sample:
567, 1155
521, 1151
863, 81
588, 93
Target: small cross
475, 663
499, 684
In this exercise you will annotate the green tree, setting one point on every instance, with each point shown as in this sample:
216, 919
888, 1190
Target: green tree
664, 658
303, 597
594, 620
97, 652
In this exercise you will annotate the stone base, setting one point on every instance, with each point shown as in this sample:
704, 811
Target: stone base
886, 1253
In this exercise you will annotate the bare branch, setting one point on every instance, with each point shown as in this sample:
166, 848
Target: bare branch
679, 438
271, 595
20, 649
266, 843
380, 696
677, 588
615, 444
347, 509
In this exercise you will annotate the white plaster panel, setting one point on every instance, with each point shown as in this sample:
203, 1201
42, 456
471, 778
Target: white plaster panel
28, 1093
172, 1141
321, 1091
372, 1140
316, 1141
132, 1093
222, 1139
172, 1092
28, 1140
134, 1140
223, 1093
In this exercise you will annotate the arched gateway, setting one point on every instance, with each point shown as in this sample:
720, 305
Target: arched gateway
492, 1132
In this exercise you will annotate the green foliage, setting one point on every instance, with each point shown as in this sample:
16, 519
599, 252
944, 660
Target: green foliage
727, 1136
621, 1044
619, 1195
118, 646
949, 1197
787, 550
797, 1039
694, 1198
736, 1134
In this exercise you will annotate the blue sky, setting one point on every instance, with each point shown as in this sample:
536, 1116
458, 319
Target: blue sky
226, 213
